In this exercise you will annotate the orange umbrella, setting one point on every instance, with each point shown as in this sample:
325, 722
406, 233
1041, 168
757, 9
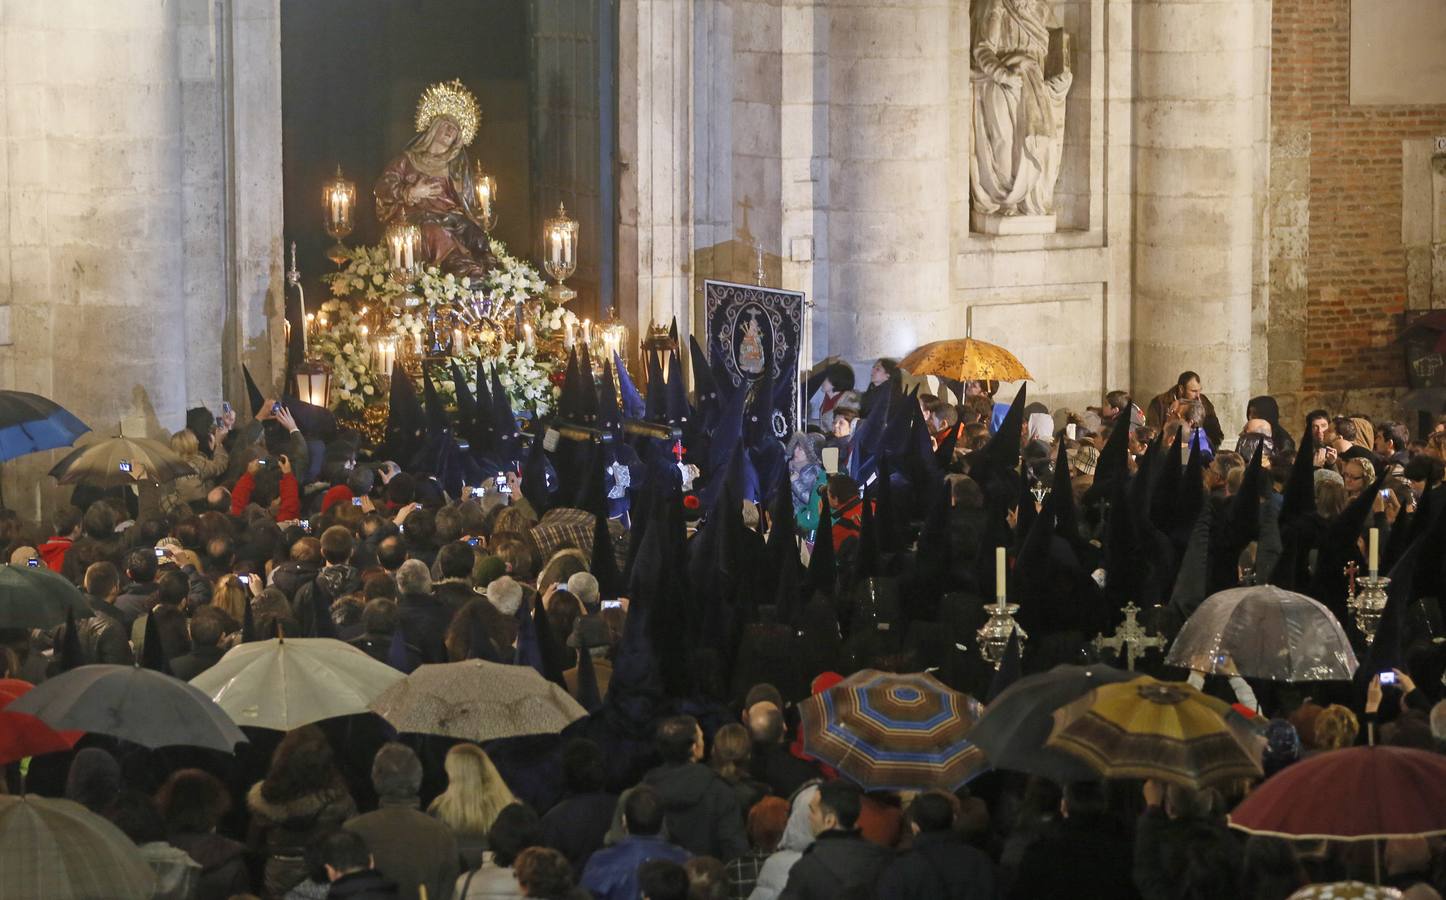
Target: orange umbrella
965, 359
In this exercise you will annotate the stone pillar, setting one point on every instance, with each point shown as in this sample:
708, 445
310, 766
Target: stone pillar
888, 177
1199, 112
655, 161
804, 146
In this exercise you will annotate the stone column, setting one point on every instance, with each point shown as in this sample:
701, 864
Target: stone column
1199, 111
655, 161
804, 146
888, 177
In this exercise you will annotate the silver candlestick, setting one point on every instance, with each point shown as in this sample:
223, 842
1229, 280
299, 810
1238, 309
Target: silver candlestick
993, 635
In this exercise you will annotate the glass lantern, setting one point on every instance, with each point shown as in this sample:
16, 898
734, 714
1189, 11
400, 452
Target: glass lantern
611, 335
313, 383
384, 355
560, 245
338, 198
404, 254
484, 198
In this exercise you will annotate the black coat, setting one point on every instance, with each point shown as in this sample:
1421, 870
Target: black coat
424, 625
838, 865
1167, 849
200, 659
1088, 857
368, 884
783, 772
701, 810
575, 827
224, 872
940, 866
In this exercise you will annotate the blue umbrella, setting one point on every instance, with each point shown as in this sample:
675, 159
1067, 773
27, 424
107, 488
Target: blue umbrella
30, 423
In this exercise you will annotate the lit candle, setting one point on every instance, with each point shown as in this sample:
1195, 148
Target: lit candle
409, 248
527, 334
999, 572
587, 331
1375, 550
396, 251
556, 246
567, 338
459, 341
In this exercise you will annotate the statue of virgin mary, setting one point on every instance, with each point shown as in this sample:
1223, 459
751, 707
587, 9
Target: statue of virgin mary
430, 184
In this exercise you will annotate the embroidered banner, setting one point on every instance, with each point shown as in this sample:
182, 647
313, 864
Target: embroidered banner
756, 331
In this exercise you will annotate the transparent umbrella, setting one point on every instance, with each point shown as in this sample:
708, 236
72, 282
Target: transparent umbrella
1264, 632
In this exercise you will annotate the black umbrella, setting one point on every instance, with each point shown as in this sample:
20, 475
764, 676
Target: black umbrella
1016, 724
35, 597
131, 703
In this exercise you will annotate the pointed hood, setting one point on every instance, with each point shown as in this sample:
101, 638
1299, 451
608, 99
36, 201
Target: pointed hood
1001, 454
248, 625
866, 564
587, 402
1388, 650
676, 406
1299, 498
550, 649
466, 403
657, 399
568, 405
632, 401
890, 537
482, 433
1114, 459
437, 424
588, 695
253, 393
538, 480
610, 417
479, 643
705, 389
508, 445
406, 421
153, 654
944, 453
69, 653
822, 568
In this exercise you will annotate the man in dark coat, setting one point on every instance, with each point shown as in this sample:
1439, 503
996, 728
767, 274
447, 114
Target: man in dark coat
1087, 855
612, 873
1187, 387
702, 810
576, 826
454, 588
939, 866
840, 864
104, 637
408, 846
1180, 837
424, 617
349, 869
139, 594
338, 578
207, 626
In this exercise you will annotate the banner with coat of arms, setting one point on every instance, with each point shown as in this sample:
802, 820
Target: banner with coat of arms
755, 331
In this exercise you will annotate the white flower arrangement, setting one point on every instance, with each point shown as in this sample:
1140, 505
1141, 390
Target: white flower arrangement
525, 373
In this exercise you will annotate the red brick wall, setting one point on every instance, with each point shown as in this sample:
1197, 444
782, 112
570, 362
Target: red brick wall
1355, 264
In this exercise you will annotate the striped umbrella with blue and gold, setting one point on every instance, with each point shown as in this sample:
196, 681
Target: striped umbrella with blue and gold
893, 732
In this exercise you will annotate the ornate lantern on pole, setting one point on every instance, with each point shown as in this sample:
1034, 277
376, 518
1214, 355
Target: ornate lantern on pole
658, 344
560, 245
611, 336
338, 197
313, 383
484, 197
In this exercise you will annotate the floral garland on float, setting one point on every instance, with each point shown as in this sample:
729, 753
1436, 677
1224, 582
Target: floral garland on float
371, 321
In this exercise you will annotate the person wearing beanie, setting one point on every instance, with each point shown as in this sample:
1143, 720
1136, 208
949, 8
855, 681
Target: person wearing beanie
486, 570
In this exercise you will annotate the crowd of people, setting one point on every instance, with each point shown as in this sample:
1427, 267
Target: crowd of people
691, 622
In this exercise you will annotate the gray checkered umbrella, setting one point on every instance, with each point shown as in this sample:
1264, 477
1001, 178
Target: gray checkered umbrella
477, 701
59, 850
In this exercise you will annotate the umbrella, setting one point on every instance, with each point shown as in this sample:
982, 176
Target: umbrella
35, 597
23, 735
893, 732
30, 423
1264, 632
1358, 793
1147, 728
132, 703
1346, 890
477, 701
58, 849
1016, 724
965, 359
285, 683
121, 461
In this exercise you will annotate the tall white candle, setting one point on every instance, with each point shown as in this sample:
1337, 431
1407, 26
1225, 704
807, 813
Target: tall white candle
1375, 550
999, 572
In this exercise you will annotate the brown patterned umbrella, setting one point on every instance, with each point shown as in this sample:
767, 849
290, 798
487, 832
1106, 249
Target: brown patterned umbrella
1147, 728
58, 849
120, 461
893, 732
965, 359
477, 701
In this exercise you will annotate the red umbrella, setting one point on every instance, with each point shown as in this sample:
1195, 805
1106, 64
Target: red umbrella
1355, 794
23, 735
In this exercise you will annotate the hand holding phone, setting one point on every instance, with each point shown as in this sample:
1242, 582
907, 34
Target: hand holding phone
1388, 678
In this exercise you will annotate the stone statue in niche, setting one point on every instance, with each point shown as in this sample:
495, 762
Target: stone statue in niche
1020, 75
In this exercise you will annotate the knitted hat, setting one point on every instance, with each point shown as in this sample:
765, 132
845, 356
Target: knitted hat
1329, 475
488, 570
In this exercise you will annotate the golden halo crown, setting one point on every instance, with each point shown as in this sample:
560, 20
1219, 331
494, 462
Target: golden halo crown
453, 100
